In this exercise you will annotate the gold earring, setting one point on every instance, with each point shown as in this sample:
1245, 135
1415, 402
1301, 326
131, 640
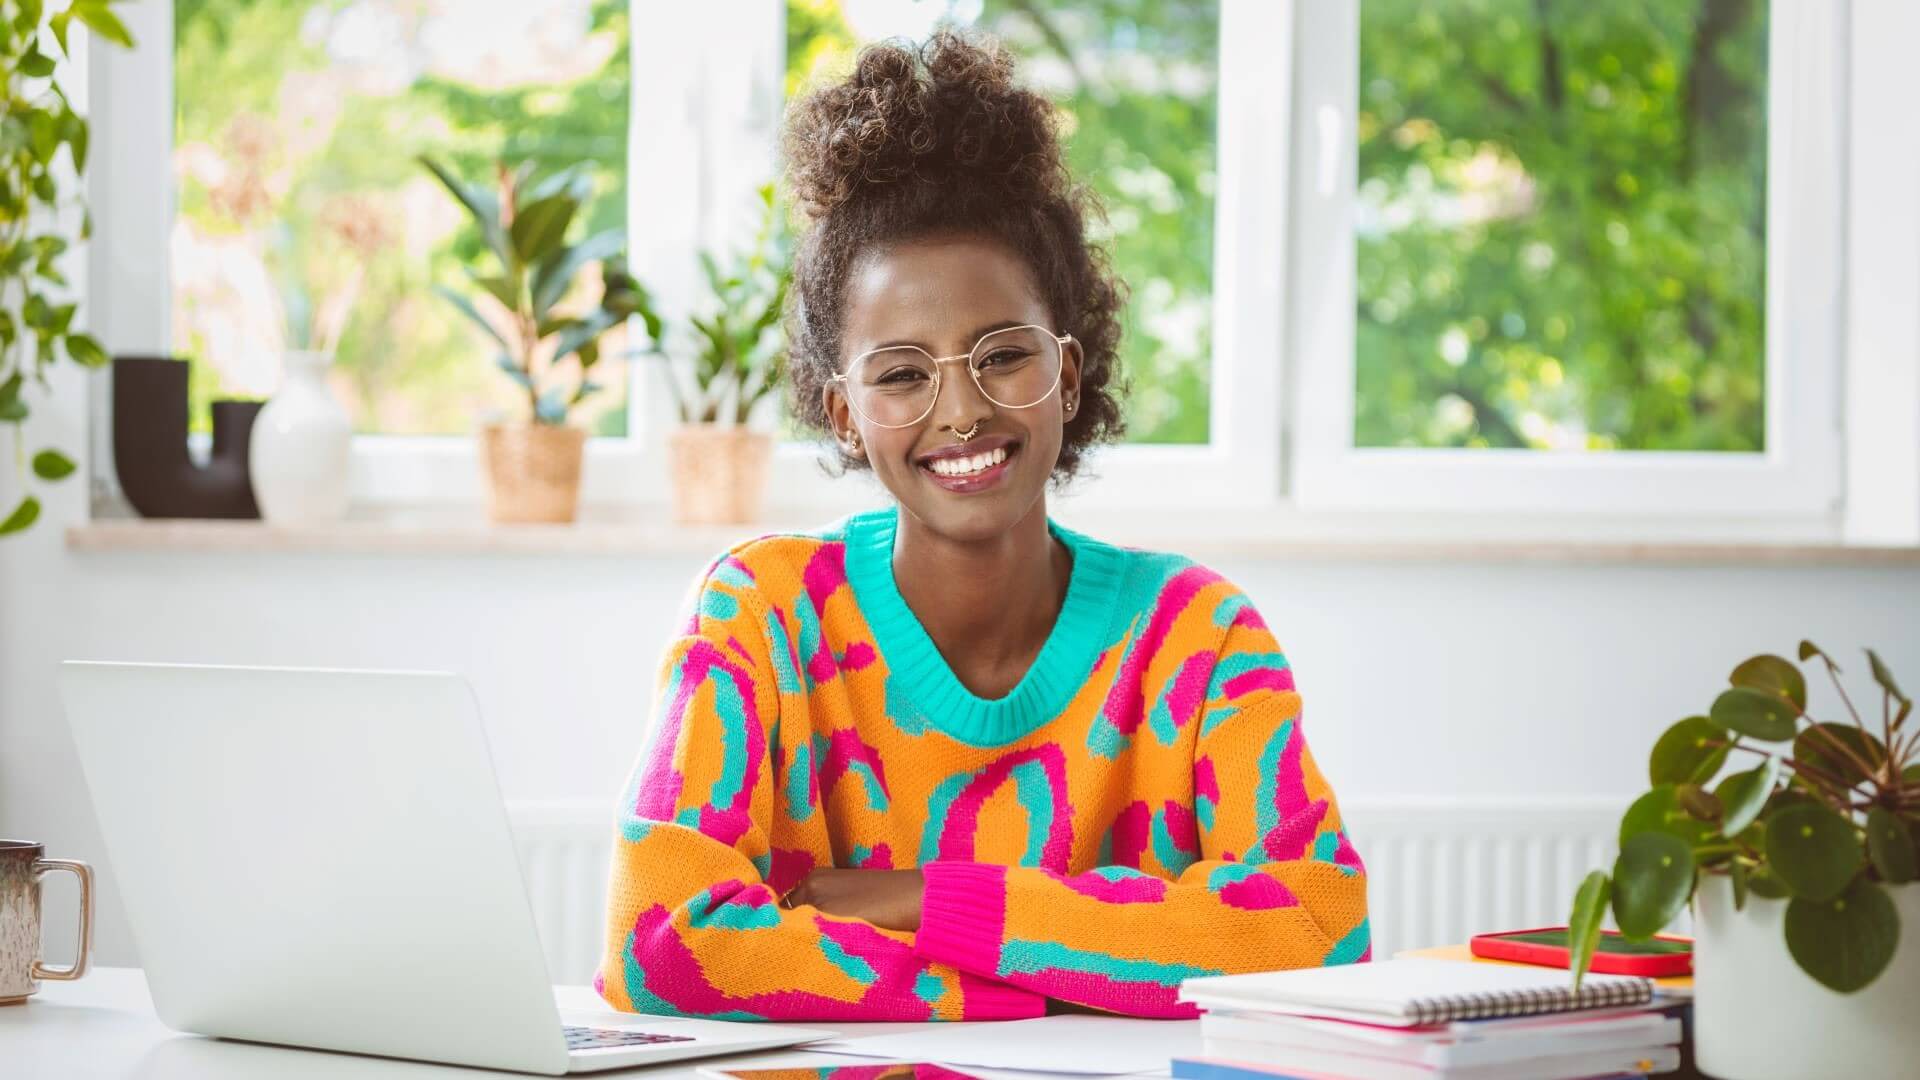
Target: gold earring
853, 442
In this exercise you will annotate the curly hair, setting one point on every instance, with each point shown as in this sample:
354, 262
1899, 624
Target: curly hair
937, 140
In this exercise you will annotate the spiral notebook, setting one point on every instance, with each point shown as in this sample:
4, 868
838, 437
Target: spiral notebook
1410, 993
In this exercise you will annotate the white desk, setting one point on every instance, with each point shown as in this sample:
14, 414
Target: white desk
103, 1026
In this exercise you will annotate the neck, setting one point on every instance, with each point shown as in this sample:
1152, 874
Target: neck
987, 601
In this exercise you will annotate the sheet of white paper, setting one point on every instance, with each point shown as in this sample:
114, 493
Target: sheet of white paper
1079, 1045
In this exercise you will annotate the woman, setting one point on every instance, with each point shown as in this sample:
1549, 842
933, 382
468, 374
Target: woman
952, 760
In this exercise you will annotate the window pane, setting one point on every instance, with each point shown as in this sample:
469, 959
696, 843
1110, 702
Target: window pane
1561, 224
1137, 79
303, 212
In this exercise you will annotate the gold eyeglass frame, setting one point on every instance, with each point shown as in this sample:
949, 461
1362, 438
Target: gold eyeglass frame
1058, 339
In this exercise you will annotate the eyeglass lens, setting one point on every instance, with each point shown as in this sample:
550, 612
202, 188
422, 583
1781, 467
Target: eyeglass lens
1014, 368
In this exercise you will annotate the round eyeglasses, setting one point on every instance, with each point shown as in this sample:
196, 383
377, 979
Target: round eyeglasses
895, 387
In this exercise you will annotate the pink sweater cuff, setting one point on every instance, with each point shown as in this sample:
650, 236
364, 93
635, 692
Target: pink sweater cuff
990, 999
963, 912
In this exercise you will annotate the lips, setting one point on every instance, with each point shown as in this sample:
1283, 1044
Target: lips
983, 445
963, 483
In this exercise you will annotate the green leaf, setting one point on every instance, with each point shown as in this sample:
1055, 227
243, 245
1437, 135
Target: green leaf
52, 465
1890, 846
58, 24
1844, 941
1760, 714
74, 129
481, 204
1583, 925
512, 368
1815, 748
23, 516
573, 180
85, 351
1774, 674
1743, 794
1883, 676
1765, 884
581, 333
1652, 879
1683, 756
540, 227
466, 308
1699, 803
36, 64
1813, 850
1808, 650
555, 273
551, 408
501, 289
1659, 810
1737, 874
103, 22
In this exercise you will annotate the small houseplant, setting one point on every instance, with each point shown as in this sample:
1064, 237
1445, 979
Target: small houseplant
36, 120
1813, 846
738, 359
533, 468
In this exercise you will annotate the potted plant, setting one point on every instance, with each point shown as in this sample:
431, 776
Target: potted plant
36, 120
533, 468
738, 359
1810, 845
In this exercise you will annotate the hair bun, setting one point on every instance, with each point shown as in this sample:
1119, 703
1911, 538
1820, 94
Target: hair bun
949, 115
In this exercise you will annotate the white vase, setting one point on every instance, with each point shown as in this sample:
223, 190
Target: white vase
1757, 1016
298, 457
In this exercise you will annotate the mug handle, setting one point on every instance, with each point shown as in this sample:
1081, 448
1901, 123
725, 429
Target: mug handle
43, 867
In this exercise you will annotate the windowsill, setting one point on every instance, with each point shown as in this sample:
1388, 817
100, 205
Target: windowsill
1277, 535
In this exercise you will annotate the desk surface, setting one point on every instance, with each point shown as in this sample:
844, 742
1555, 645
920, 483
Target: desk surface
103, 1026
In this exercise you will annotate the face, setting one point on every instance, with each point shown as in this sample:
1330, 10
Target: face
941, 294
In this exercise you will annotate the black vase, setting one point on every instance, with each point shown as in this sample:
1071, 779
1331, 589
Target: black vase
150, 445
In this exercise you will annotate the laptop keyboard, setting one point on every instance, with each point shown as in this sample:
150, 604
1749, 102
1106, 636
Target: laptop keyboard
593, 1038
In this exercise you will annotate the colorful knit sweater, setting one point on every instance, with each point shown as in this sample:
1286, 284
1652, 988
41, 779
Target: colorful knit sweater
1141, 808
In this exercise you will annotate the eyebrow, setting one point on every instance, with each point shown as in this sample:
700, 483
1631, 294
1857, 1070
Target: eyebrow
1004, 324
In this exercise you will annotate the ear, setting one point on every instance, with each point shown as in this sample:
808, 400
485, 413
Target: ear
1072, 357
840, 417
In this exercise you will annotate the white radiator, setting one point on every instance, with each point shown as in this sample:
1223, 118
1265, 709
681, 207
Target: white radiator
1439, 871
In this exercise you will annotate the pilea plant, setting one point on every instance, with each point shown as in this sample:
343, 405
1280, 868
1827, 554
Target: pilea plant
1825, 816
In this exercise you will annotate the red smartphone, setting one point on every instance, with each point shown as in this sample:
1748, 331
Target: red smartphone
1661, 956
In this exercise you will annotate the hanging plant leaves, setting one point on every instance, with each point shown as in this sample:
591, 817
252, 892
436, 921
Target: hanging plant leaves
1762, 714
1813, 850
1764, 884
1652, 879
1890, 846
1737, 873
1816, 748
1699, 803
1659, 810
1583, 925
1773, 674
1683, 755
1744, 793
1846, 941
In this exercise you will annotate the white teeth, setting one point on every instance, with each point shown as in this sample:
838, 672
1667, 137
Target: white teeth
967, 466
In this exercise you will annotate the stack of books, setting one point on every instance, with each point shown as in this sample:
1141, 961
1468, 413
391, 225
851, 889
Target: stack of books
1427, 1020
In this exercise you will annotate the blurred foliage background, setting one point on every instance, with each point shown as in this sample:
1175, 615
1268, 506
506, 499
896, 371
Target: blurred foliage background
297, 123
1560, 215
1562, 224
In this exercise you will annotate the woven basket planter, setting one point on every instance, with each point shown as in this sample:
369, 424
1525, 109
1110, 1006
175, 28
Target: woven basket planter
719, 473
533, 472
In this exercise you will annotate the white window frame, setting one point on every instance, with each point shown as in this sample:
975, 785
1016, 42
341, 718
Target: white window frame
687, 98
1798, 476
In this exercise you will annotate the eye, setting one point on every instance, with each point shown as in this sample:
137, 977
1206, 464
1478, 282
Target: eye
1003, 356
901, 375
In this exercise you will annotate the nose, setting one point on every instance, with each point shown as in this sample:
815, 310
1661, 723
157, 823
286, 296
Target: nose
959, 405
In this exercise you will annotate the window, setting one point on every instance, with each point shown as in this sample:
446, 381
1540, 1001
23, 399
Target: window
1139, 83
1575, 255
304, 219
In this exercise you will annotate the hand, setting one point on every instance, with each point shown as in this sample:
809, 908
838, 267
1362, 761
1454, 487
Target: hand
886, 898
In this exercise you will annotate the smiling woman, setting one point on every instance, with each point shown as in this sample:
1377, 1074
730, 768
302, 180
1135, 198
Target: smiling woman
951, 759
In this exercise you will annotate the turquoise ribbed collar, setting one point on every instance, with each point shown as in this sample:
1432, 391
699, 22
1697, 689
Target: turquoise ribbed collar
1057, 674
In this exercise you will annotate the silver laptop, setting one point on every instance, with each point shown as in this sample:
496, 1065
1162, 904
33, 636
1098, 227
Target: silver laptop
322, 859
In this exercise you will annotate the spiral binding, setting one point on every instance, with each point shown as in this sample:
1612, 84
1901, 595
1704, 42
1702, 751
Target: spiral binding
1490, 1004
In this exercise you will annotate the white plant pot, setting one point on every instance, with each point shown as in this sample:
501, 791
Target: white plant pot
298, 456
1757, 1016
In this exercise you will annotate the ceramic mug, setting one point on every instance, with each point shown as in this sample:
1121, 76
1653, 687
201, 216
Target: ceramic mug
21, 868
